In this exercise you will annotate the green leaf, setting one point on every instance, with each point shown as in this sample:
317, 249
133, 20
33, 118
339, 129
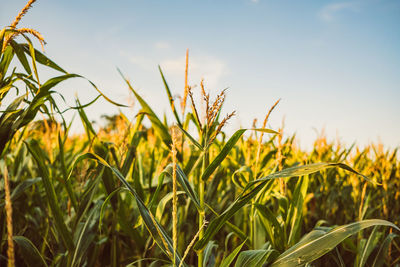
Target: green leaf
163, 202
219, 221
194, 142
369, 246
87, 125
42, 59
80, 249
256, 186
226, 262
159, 127
170, 98
67, 184
271, 225
56, 80
226, 149
160, 183
294, 219
254, 258
317, 243
62, 229
33, 56
19, 51
30, 253
308, 169
131, 154
184, 182
6, 58
153, 226
103, 95
106, 201
208, 257
21, 187
383, 250
238, 177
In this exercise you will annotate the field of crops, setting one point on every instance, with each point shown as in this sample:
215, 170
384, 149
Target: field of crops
144, 191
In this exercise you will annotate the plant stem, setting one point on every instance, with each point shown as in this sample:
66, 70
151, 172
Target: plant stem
8, 208
202, 211
252, 225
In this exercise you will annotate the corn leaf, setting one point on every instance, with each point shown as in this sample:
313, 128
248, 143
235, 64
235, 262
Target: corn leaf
254, 258
62, 229
184, 182
42, 59
256, 186
191, 138
30, 253
226, 262
226, 149
156, 230
294, 218
163, 202
373, 240
317, 244
170, 97
383, 250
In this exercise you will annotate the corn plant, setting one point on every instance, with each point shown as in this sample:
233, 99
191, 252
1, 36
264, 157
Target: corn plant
178, 193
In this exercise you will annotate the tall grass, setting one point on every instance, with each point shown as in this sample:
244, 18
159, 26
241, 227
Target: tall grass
131, 195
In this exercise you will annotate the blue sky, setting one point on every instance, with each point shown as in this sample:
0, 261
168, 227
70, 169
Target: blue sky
335, 64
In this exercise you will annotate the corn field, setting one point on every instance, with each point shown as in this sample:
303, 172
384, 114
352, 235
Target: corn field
144, 191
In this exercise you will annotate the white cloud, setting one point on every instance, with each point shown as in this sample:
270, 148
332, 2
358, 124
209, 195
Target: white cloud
210, 68
162, 45
328, 12
142, 62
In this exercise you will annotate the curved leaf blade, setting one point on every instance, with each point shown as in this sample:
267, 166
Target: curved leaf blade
184, 182
155, 121
254, 258
38, 155
256, 186
383, 250
226, 149
153, 226
226, 262
170, 97
30, 253
317, 245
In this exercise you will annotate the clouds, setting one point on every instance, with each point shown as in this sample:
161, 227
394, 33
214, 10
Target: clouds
201, 65
162, 45
143, 62
329, 12
210, 68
